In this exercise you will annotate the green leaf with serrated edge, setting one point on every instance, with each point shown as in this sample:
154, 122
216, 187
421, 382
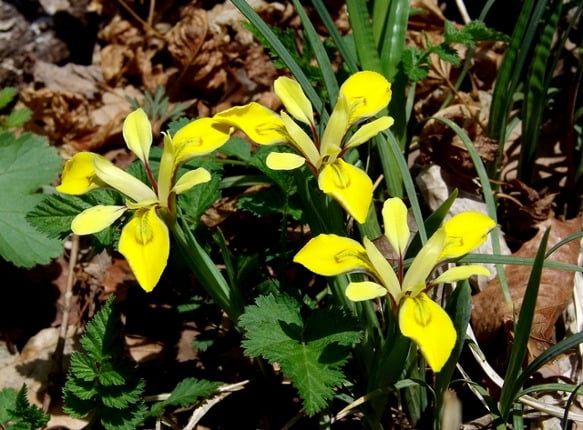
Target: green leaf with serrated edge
25, 415
27, 162
84, 390
447, 53
310, 355
7, 95
7, 401
83, 367
269, 201
123, 396
196, 201
236, 147
187, 392
17, 118
55, 212
112, 419
414, 64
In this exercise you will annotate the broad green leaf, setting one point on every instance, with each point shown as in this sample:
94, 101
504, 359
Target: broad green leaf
7, 398
27, 163
17, 117
236, 147
269, 201
310, 354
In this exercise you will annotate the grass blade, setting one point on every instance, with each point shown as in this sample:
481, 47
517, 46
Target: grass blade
512, 379
393, 35
319, 52
345, 52
363, 37
283, 53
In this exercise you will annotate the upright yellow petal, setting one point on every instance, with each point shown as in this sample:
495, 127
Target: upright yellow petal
79, 175
284, 161
335, 129
122, 180
396, 226
191, 179
198, 138
293, 98
424, 262
330, 255
459, 273
96, 218
137, 133
383, 270
261, 124
145, 243
348, 185
369, 130
367, 93
430, 327
365, 290
465, 232
300, 140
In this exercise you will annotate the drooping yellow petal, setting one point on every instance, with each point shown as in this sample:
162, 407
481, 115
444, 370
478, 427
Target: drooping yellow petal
145, 243
137, 133
348, 185
424, 321
383, 269
198, 138
369, 130
367, 93
190, 179
284, 161
261, 124
300, 140
459, 273
465, 232
396, 226
330, 255
293, 98
122, 180
96, 218
424, 262
79, 175
365, 290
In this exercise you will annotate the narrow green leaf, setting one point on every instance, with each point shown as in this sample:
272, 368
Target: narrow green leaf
393, 35
345, 52
320, 53
294, 68
366, 47
512, 382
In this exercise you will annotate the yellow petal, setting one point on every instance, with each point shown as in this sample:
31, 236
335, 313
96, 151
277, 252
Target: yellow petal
122, 180
349, 185
79, 175
460, 273
293, 98
367, 93
145, 243
424, 262
284, 161
369, 130
190, 179
330, 255
430, 327
383, 269
262, 125
95, 219
300, 140
335, 130
198, 138
366, 290
396, 226
137, 133
465, 232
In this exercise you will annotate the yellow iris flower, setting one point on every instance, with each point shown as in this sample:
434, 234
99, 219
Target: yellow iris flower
145, 239
362, 96
420, 318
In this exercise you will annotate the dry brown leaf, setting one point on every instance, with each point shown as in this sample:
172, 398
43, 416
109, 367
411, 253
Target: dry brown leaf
492, 317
